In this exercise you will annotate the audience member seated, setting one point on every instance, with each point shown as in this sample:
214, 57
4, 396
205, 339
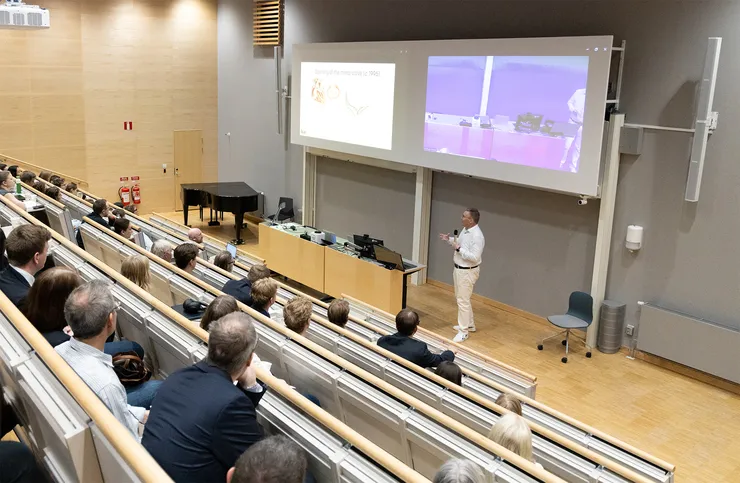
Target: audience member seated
3, 258
277, 459
202, 421
136, 269
28, 177
459, 471
44, 306
221, 306
71, 188
240, 289
91, 312
402, 344
122, 226
54, 193
100, 214
39, 186
450, 371
195, 235
224, 261
338, 312
18, 465
26, 246
297, 314
162, 249
45, 175
56, 180
510, 402
513, 433
13, 170
186, 257
264, 294
7, 188
132, 208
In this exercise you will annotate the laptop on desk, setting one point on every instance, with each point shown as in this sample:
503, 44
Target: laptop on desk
389, 257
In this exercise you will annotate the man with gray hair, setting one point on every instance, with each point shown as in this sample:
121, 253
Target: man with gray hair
205, 416
90, 312
459, 471
277, 459
162, 249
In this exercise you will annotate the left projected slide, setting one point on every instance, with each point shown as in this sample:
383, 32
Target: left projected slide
348, 102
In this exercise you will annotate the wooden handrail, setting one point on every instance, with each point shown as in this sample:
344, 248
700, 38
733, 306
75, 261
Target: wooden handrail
43, 196
13, 161
382, 457
362, 374
132, 452
669, 467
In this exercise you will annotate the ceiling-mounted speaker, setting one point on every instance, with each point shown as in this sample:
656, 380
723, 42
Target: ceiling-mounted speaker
706, 119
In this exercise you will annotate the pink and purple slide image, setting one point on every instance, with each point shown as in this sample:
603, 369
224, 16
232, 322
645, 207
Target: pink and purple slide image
520, 110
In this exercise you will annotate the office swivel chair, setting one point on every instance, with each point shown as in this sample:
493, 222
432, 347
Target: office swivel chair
579, 317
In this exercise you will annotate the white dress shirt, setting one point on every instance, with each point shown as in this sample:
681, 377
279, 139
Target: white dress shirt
29, 278
95, 368
471, 243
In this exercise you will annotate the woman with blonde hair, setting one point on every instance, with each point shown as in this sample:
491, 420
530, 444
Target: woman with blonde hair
513, 433
510, 402
136, 269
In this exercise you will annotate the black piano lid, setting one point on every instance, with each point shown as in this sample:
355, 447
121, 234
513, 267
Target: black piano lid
232, 189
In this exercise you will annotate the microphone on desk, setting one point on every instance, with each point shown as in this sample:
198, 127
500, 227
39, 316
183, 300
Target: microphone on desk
275, 217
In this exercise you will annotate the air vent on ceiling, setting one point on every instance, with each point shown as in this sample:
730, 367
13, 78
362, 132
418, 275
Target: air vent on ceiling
267, 22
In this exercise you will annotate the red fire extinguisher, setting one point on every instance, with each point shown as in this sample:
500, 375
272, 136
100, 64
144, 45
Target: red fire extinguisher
124, 192
136, 190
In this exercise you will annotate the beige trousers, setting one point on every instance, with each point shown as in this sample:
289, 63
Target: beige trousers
464, 281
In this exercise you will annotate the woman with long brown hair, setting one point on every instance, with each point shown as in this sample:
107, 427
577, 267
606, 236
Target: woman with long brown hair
44, 305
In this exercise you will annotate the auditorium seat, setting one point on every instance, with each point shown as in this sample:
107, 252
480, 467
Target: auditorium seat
376, 413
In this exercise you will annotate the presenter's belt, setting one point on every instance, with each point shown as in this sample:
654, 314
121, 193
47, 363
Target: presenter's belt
466, 268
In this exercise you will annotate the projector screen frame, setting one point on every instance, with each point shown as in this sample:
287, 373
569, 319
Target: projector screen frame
411, 58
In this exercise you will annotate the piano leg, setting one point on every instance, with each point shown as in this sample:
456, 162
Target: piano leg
212, 222
185, 213
239, 217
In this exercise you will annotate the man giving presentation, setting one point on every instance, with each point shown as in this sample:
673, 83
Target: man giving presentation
467, 259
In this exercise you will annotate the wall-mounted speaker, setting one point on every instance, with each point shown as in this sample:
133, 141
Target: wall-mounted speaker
706, 120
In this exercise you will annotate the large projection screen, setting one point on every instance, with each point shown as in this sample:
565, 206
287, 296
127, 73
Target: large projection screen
521, 111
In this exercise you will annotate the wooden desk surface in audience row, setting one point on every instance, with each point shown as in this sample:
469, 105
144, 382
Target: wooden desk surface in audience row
332, 272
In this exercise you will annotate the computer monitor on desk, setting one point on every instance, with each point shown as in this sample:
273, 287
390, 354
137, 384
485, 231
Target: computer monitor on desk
390, 258
366, 244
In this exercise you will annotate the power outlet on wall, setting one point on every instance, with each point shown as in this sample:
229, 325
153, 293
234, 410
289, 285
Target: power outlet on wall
630, 329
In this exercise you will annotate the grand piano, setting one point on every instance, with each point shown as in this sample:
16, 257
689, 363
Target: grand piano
234, 197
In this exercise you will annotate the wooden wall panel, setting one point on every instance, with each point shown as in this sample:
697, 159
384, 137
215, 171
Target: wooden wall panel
65, 92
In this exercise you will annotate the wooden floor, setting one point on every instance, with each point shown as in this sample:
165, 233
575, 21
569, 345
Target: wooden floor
681, 420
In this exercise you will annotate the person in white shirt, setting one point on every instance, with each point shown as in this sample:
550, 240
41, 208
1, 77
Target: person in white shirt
572, 152
91, 312
467, 259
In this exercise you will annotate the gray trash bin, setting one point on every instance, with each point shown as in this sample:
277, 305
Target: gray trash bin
611, 323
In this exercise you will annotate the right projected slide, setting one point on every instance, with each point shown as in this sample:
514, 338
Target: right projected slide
523, 110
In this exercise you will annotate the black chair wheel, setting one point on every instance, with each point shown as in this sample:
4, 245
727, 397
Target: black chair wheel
539, 347
564, 360
564, 342
588, 354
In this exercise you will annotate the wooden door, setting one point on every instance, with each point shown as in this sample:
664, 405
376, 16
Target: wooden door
188, 160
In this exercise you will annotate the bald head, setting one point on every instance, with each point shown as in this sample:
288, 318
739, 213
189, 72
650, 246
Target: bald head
231, 341
195, 235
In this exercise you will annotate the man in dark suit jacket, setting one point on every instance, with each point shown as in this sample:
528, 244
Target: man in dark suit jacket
242, 289
200, 422
99, 215
27, 246
410, 349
